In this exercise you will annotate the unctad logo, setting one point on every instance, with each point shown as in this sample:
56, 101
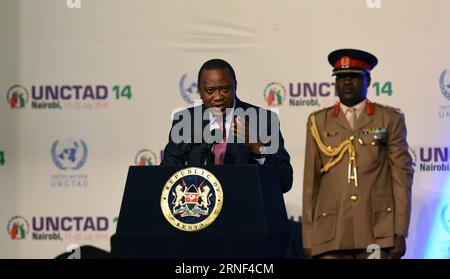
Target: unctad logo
413, 154
275, 94
17, 96
80, 228
299, 94
146, 157
18, 228
431, 159
65, 96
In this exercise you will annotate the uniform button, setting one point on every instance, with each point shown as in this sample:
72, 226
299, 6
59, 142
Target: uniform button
352, 137
360, 141
374, 143
324, 214
329, 147
389, 209
354, 198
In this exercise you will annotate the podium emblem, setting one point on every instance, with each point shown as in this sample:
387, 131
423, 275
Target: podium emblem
191, 199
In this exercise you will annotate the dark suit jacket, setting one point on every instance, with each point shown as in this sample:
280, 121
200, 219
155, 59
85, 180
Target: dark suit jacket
236, 153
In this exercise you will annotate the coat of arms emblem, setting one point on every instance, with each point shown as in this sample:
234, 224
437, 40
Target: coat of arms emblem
191, 199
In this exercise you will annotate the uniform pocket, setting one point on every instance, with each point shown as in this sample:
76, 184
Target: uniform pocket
368, 149
331, 138
324, 227
383, 218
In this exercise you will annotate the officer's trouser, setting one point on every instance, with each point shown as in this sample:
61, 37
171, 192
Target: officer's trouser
352, 254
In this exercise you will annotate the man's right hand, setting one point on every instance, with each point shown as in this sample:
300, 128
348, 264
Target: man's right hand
307, 253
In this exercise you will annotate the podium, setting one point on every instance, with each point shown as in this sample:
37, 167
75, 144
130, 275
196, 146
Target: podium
252, 223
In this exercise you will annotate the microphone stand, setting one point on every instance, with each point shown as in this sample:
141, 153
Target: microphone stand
185, 148
207, 154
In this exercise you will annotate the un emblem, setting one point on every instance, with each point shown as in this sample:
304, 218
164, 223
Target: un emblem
69, 154
445, 218
445, 87
188, 89
191, 199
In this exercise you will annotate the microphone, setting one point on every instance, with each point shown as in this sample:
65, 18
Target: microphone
206, 148
185, 148
207, 155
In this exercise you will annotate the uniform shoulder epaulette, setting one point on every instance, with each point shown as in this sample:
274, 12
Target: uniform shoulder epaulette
321, 110
389, 107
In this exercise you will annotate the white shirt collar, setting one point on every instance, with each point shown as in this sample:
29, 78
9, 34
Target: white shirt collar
359, 107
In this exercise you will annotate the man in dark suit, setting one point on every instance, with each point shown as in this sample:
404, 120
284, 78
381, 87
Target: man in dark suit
225, 130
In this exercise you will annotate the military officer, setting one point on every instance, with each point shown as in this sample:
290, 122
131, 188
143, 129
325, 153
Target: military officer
358, 172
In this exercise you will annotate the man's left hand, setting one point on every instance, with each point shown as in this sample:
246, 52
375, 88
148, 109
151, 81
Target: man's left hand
399, 249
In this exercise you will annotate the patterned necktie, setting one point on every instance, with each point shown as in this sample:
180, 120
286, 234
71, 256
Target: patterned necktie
220, 148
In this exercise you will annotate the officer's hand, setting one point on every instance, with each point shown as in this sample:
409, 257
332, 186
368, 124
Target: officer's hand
307, 252
399, 247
